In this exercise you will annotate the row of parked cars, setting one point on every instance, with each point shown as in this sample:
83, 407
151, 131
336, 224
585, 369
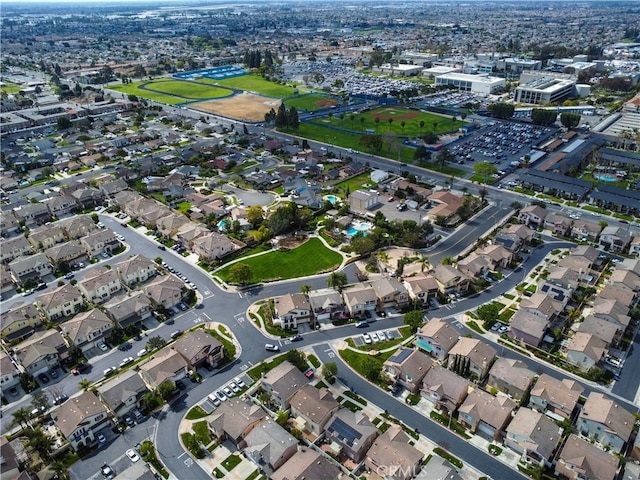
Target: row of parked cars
228, 391
380, 336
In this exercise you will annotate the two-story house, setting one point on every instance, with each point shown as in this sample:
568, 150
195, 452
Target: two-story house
199, 348
471, 355
392, 454
557, 398
214, 246
234, 419
9, 374
128, 309
534, 436
437, 337
80, 418
360, 299
32, 267
135, 269
450, 280
101, 241
614, 239
586, 350
311, 408
407, 367
482, 412
100, 284
511, 377
165, 291
19, 321
422, 287
64, 301
268, 445
605, 421
325, 304
14, 247
46, 236
123, 393
390, 293
86, 329
445, 389
352, 432
166, 365
580, 460
532, 216
77, 226
292, 310
282, 382
41, 352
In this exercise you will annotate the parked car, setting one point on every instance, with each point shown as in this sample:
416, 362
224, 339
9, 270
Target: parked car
141, 353
129, 421
60, 399
176, 334
362, 324
102, 346
220, 396
101, 438
367, 338
296, 338
126, 361
133, 456
43, 378
239, 382
108, 371
234, 387
107, 471
271, 347
228, 392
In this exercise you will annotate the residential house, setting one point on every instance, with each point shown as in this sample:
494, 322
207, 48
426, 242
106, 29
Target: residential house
580, 460
166, 365
77, 226
60, 205
32, 267
558, 224
422, 287
474, 265
528, 327
189, 232
165, 291
123, 393
9, 374
325, 304
586, 350
513, 237
477, 354
80, 418
109, 189
88, 197
393, 457
634, 246
307, 464
534, 436
439, 469
437, 337
170, 225
450, 280
583, 230
99, 284
135, 269
611, 333
268, 445
360, 299
605, 421
311, 408
362, 201
7, 283
199, 348
497, 256
511, 377
557, 398
100, 242
87, 329
64, 301
445, 389
390, 293
615, 239
282, 382
482, 412
445, 205
292, 310
407, 367
70, 253
532, 216
611, 310
33, 214
626, 279
12, 248
214, 246
589, 256
541, 305
19, 321
234, 419
560, 284
352, 434
620, 293
129, 309
46, 236
9, 224
41, 352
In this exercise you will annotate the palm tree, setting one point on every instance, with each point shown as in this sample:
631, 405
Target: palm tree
305, 289
390, 122
352, 118
377, 120
21, 417
402, 125
435, 126
40, 442
337, 280
362, 123
421, 126
424, 262
447, 260
84, 384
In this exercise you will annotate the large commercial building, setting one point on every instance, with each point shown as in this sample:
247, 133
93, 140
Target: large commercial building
480, 84
543, 90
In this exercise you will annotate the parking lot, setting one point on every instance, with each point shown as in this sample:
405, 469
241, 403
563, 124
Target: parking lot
369, 338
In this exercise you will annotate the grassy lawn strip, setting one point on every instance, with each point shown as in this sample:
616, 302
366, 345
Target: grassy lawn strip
351, 406
446, 455
355, 183
231, 462
148, 453
353, 396
474, 326
310, 258
201, 430
132, 89
195, 413
257, 371
444, 420
314, 360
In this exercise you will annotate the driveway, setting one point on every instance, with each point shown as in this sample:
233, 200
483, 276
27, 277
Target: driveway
249, 198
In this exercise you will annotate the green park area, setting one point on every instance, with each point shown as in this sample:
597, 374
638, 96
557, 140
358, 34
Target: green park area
171, 91
253, 83
310, 258
312, 102
10, 88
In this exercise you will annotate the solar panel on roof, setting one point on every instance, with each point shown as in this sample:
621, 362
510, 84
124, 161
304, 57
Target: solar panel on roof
345, 432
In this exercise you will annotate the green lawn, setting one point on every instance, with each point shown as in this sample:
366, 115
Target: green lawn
184, 207
231, 462
253, 83
10, 88
310, 258
312, 102
355, 183
168, 88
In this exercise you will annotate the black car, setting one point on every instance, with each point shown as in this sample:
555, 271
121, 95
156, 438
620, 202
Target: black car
162, 247
43, 378
129, 421
41, 286
180, 385
296, 338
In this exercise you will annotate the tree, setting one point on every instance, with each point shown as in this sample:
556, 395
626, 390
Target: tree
370, 369
305, 289
488, 313
255, 215
21, 417
167, 389
414, 319
282, 418
447, 261
330, 370
362, 245
485, 170
337, 280
40, 400
63, 123
39, 441
155, 343
570, 119
84, 384
540, 116
297, 358
501, 110
240, 273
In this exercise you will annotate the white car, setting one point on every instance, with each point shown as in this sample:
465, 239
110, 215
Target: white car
239, 382
126, 361
141, 353
374, 337
109, 371
102, 346
367, 338
101, 438
234, 387
133, 456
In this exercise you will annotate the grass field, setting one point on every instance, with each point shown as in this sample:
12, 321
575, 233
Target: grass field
361, 122
312, 102
308, 259
11, 88
172, 91
253, 83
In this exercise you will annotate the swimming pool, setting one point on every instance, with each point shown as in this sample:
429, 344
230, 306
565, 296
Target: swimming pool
359, 227
332, 198
222, 225
605, 178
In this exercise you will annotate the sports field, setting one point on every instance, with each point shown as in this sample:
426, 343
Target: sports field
312, 102
172, 91
253, 83
404, 122
245, 106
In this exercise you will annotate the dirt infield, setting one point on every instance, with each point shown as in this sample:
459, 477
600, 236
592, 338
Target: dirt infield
246, 106
391, 113
326, 103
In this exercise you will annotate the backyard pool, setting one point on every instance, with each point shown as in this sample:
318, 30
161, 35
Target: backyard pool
332, 198
222, 225
359, 227
606, 178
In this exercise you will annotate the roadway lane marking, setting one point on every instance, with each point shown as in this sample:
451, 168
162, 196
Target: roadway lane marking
188, 462
183, 453
206, 292
207, 316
